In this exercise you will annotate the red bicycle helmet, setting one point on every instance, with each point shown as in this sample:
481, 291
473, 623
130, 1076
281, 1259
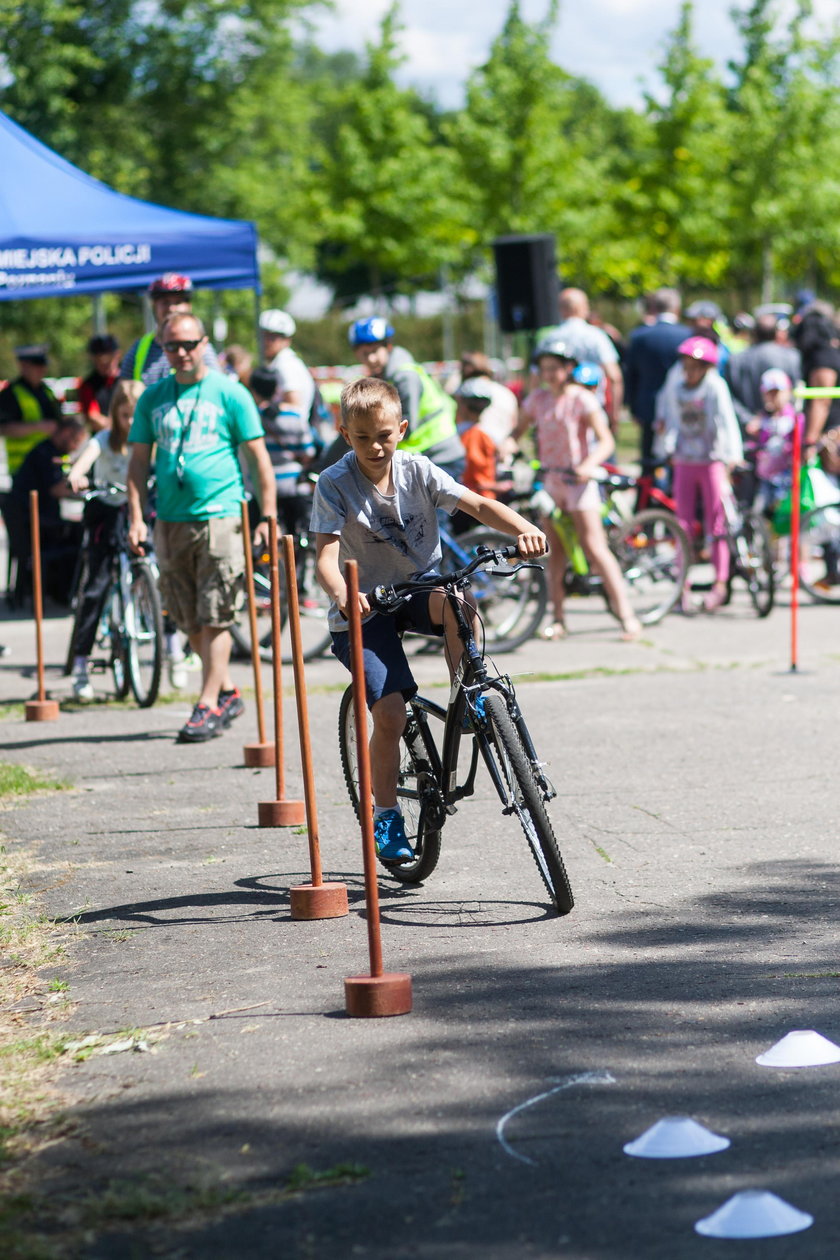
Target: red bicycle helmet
170, 283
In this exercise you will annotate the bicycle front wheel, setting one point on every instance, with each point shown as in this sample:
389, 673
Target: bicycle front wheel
112, 636
653, 553
819, 569
755, 559
143, 635
522, 797
511, 608
424, 840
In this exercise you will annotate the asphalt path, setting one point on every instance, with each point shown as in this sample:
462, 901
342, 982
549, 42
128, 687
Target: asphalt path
697, 816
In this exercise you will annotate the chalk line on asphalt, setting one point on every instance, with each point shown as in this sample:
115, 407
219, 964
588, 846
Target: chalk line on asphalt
581, 1078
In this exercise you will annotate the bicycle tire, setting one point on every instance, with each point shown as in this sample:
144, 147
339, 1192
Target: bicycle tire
820, 530
758, 572
80, 581
314, 606
526, 800
424, 840
143, 635
653, 553
511, 608
113, 638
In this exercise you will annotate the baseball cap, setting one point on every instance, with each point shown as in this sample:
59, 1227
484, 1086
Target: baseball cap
171, 282
774, 378
36, 353
476, 387
278, 322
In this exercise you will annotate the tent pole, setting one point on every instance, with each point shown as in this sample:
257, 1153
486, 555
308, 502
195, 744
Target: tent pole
257, 332
99, 321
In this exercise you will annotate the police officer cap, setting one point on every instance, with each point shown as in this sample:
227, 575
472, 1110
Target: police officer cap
38, 353
103, 343
278, 322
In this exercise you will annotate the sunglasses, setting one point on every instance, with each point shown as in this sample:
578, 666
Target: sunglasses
172, 347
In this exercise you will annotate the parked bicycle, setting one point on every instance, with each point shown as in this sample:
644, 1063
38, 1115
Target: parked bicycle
483, 708
129, 636
650, 546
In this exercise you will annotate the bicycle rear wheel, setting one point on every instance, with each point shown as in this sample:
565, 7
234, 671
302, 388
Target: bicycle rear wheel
524, 799
143, 635
314, 607
755, 559
819, 569
653, 552
511, 608
413, 775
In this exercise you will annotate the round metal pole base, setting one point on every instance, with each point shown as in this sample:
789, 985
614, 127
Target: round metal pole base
281, 813
319, 901
258, 756
370, 997
41, 710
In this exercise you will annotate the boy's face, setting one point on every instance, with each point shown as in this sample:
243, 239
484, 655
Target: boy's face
374, 357
374, 438
694, 370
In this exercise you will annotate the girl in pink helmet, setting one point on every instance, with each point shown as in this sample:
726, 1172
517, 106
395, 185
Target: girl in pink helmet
698, 431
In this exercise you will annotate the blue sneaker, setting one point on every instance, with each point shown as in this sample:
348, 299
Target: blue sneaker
389, 837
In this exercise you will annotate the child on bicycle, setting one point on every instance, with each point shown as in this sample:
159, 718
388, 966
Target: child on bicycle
698, 431
565, 417
377, 505
105, 522
772, 430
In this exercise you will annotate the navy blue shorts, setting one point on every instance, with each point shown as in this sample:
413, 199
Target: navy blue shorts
386, 666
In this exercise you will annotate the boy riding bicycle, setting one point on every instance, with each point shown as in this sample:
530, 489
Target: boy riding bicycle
377, 506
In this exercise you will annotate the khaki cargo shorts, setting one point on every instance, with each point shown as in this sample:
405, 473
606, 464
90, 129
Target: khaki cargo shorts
201, 568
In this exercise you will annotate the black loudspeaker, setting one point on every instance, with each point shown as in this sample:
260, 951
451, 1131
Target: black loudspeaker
526, 282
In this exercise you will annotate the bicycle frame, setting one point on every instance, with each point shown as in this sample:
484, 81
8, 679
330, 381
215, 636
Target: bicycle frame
472, 678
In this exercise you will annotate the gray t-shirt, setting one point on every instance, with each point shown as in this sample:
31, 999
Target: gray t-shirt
393, 537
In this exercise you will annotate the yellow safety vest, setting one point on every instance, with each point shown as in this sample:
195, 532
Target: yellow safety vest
144, 345
436, 414
17, 448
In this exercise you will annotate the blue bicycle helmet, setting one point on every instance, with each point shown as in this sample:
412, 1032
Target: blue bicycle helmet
366, 332
588, 374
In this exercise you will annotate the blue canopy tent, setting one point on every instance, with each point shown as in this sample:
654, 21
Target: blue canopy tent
63, 232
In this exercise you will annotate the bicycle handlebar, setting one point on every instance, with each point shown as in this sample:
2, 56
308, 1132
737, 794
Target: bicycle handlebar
388, 599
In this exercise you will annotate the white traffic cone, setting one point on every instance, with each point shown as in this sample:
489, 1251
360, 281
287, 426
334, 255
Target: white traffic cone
676, 1137
753, 1214
800, 1048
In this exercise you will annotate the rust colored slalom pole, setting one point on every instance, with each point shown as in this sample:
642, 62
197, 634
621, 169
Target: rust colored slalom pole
382, 992
261, 753
42, 709
315, 900
794, 546
279, 812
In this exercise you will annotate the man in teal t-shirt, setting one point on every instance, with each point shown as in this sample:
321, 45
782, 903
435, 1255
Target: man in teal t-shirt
198, 419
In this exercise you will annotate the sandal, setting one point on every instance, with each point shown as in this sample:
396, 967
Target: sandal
631, 631
554, 630
714, 599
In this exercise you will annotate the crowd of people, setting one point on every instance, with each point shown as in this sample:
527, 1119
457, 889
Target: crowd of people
697, 386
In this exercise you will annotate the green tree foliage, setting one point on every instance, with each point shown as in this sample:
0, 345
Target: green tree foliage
391, 209
784, 172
